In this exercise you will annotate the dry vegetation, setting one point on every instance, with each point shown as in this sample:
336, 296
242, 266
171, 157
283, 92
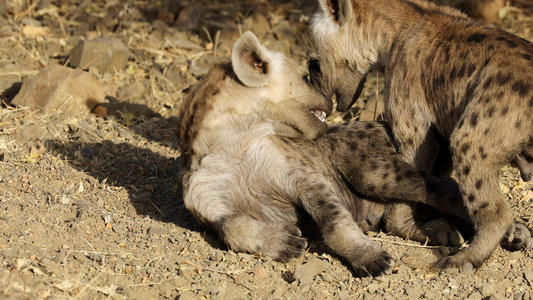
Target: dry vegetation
89, 206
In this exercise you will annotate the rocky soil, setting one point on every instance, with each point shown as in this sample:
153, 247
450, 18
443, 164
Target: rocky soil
89, 203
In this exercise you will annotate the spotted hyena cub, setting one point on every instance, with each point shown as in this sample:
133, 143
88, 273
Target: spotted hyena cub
256, 163
451, 83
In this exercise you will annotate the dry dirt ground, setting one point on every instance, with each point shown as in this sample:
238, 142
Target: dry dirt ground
89, 204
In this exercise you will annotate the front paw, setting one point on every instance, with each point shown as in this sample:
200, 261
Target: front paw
374, 263
290, 244
517, 238
458, 261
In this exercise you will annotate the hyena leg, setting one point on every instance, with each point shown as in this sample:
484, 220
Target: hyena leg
246, 233
524, 162
477, 167
342, 235
419, 148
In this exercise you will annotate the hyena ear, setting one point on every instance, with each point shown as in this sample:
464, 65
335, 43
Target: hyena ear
250, 60
339, 11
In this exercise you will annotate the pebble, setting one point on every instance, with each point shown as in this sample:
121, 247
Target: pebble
58, 89
305, 273
107, 54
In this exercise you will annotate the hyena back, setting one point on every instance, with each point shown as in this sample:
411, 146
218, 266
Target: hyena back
447, 76
254, 159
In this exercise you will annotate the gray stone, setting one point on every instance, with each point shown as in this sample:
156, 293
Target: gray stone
306, 272
59, 89
107, 54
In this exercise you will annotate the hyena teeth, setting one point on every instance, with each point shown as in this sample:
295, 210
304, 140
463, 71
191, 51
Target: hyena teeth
320, 114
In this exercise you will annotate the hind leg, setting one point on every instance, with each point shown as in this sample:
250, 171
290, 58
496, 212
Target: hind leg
477, 167
245, 233
342, 234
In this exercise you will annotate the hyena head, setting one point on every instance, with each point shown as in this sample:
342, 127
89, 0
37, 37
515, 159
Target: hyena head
336, 66
279, 88
258, 85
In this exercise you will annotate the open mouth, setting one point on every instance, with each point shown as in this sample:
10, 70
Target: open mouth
320, 114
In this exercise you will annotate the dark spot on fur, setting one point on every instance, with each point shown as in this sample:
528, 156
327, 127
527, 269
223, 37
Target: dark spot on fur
461, 123
461, 72
486, 131
483, 205
470, 69
321, 202
521, 88
371, 188
410, 141
399, 178
511, 44
502, 79
417, 8
466, 170
518, 124
490, 48
385, 175
465, 148
352, 144
474, 212
369, 125
373, 166
363, 157
531, 102
527, 57
476, 38
482, 150
471, 198
487, 83
490, 111
505, 110
478, 184
473, 120
360, 134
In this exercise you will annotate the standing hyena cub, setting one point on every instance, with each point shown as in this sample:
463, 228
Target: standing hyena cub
252, 164
448, 78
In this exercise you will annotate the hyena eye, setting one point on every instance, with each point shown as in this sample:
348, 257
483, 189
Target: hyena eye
306, 78
313, 65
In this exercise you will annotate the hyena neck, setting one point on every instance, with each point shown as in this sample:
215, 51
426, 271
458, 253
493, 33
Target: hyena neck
382, 22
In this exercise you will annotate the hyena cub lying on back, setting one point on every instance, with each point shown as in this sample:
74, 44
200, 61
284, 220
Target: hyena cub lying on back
252, 164
448, 78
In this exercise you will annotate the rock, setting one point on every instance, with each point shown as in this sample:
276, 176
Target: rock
257, 23
260, 272
487, 289
59, 89
413, 293
107, 54
305, 273
131, 91
11, 73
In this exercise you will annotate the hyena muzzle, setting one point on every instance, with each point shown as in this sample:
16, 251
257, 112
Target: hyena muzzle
448, 78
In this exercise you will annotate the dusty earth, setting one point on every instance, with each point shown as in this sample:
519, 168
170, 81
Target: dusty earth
90, 206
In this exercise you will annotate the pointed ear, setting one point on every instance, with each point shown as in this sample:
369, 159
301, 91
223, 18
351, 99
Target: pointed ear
340, 11
250, 60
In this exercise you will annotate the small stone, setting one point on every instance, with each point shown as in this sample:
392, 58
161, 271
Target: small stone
487, 289
107, 54
58, 89
306, 272
260, 272
514, 256
413, 293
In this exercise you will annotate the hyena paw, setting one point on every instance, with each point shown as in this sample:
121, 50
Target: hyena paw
458, 261
287, 243
517, 238
439, 232
373, 264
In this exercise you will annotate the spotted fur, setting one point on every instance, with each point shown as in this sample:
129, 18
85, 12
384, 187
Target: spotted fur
448, 78
255, 164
